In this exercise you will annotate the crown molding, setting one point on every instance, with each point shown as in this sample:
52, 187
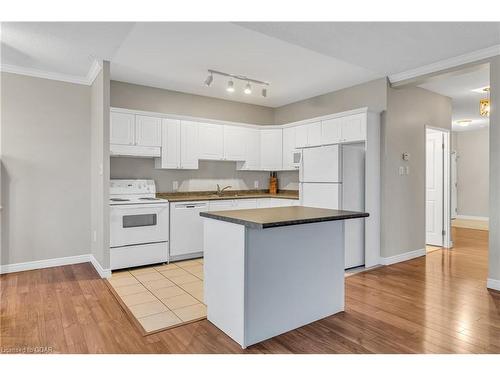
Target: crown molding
94, 70
453, 62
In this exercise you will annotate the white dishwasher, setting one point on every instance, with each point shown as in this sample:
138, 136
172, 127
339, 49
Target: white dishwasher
186, 229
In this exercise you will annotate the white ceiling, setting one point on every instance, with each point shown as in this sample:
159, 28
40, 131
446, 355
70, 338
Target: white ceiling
300, 60
465, 101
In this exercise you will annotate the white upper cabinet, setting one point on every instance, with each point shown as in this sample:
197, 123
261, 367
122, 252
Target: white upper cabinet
234, 143
314, 134
344, 129
308, 135
288, 148
331, 131
271, 150
147, 131
189, 145
122, 128
300, 136
354, 128
211, 141
171, 145
251, 146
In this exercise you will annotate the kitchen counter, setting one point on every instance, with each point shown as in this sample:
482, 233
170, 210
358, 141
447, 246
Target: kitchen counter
281, 216
260, 283
232, 194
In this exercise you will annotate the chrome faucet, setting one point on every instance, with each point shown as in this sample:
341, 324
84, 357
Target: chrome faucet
221, 191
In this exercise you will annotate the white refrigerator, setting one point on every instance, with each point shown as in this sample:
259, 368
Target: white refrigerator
333, 177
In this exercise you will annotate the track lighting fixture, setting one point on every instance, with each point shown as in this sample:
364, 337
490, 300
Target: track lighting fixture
248, 89
209, 80
230, 84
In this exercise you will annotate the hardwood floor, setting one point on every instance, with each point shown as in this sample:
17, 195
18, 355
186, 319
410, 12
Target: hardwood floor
433, 304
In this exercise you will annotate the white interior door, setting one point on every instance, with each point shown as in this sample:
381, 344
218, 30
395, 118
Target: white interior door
434, 188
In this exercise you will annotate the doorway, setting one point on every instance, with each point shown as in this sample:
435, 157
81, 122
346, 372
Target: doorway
437, 188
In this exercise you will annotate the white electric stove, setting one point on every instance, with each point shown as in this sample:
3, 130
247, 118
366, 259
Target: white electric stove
139, 224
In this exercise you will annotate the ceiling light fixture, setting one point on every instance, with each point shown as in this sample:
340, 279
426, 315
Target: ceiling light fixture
230, 86
209, 80
484, 104
230, 83
464, 122
248, 89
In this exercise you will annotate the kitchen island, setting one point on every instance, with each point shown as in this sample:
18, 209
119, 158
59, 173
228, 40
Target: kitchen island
271, 270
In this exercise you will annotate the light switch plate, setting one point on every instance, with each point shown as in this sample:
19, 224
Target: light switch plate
256, 184
175, 185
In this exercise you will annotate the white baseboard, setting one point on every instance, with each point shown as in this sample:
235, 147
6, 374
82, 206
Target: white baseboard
37, 264
54, 262
493, 284
470, 217
402, 257
103, 272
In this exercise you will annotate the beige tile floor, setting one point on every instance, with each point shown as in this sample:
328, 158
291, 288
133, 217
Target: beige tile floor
162, 296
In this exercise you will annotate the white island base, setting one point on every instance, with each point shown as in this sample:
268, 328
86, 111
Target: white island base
260, 283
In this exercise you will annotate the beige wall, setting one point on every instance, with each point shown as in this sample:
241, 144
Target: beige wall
370, 94
45, 139
472, 148
127, 95
409, 110
99, 166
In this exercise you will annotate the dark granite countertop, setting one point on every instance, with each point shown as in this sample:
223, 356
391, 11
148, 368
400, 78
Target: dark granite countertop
261, 218
231, 194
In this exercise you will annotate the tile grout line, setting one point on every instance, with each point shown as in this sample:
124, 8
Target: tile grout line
178, 285
154, 270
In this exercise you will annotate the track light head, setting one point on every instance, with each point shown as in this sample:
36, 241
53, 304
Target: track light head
209, 80
264, 92
248, 89
230, 86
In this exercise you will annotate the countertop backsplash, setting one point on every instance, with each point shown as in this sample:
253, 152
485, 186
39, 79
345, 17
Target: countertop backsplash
209, 174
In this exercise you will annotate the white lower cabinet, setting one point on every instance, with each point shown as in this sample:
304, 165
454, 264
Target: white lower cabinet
222, 205
245, 204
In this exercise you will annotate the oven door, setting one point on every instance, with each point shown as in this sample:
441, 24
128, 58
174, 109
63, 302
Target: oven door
138, 224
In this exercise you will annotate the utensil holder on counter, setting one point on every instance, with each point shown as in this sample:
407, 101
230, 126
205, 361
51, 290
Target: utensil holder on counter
273, 183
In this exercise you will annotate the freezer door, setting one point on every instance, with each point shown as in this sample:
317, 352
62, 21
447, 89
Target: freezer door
321, 164
320, 195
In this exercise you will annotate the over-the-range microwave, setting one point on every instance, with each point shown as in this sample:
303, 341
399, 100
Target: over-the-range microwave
296, 158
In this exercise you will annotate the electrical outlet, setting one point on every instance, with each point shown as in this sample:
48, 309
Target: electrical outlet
175, 185
407, 169
401, 171
256, 184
